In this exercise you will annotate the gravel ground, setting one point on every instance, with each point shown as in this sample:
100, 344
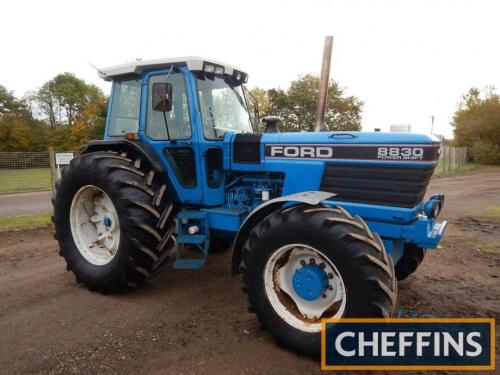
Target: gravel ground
187, 322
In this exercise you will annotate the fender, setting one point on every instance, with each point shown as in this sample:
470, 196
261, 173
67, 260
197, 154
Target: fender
264, 210
124, 144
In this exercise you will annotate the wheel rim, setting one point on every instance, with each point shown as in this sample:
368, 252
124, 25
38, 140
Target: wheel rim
294, 280
94, 225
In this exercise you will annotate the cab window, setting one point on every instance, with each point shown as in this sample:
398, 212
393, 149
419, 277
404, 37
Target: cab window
178, 120
124, 117
223, 108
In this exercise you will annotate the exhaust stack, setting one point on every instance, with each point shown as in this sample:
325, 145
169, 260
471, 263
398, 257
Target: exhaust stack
323, 85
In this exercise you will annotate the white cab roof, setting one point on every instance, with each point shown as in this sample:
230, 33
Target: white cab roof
194, 63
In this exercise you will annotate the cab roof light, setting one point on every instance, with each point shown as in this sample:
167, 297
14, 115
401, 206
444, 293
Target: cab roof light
240, 77
219, 70
213, 69
209, 68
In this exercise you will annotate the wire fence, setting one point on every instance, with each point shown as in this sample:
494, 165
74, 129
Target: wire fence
27, 171
24, 171
451, 158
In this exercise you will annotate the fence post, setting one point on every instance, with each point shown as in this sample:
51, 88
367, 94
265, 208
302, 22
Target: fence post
450, 159
446, 160
52, 163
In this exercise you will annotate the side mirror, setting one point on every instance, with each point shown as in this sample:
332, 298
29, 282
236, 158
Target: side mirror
162, 97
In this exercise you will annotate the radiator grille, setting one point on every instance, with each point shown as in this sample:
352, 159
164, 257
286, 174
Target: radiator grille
382, 185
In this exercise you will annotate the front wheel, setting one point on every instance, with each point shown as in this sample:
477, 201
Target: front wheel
412, 257
305, 263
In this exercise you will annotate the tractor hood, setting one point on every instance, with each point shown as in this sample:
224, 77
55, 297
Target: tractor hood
348, 137
395, 147
391, 169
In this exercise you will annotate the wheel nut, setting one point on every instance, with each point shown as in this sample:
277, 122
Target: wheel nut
322, 265
302, 262
330, 287
324, 295
312, 261
330, 275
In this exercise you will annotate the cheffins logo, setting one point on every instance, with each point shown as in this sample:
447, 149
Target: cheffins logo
408, 344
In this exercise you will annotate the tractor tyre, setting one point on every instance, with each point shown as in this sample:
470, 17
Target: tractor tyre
411, 259
113, 220
352, 275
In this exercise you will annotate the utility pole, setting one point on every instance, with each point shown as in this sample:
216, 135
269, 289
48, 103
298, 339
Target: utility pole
323, 84
432, 124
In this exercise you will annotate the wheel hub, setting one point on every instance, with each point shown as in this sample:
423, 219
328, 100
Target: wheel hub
94, 225
106, 221
310, 282
302, 285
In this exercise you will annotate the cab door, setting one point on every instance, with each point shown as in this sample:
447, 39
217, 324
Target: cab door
171, 133
214, 145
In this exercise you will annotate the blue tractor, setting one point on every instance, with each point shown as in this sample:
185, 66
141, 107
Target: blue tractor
322, 224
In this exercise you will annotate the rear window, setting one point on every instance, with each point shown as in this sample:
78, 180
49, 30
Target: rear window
124, 117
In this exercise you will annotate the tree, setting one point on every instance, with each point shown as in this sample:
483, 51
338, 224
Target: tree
74, 110
477, 125
8, 102
262, 98
297, 105
18, 130
63, 99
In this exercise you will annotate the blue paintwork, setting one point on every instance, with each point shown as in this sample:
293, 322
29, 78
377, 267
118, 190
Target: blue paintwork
106, 221
394, 249
225, 218
225, 207
309, 282
199, 240
329, 137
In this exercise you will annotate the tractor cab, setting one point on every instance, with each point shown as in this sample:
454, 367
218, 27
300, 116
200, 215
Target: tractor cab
183, 108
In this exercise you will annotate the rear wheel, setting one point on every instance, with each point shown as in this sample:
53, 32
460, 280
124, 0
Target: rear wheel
305, 263
411, 259
113, 220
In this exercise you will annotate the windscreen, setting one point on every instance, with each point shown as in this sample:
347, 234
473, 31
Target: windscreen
223, 108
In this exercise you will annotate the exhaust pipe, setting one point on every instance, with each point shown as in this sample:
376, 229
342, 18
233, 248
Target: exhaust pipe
323, 85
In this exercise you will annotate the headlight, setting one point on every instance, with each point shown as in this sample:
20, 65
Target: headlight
432, 208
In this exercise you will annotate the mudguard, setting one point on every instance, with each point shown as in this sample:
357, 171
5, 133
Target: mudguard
138, 147
265, 209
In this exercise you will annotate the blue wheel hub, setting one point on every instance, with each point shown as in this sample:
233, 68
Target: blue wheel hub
310, 282
106, 221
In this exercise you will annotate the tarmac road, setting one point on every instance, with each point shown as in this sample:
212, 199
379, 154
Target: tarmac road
25, 203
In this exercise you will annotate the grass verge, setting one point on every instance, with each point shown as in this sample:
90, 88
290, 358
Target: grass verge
460, 170
486, 248
25, 221
14, 180
491, 214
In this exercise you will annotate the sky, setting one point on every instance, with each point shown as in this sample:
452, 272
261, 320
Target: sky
407, 60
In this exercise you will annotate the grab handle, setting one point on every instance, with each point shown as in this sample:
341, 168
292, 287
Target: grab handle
343, 135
